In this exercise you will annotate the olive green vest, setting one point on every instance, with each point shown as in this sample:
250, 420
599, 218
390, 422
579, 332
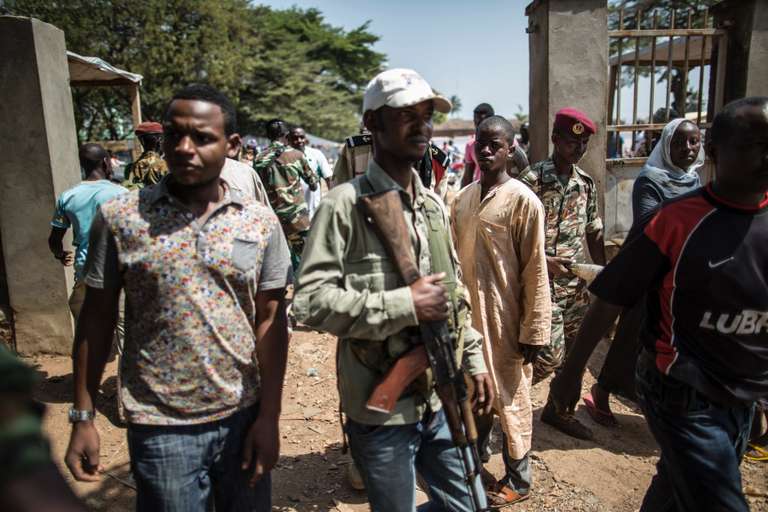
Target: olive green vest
380, 355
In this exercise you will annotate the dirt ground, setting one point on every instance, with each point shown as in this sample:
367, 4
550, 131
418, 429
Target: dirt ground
609, 474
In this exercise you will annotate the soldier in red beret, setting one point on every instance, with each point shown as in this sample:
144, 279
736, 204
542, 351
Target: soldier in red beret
150, 166
570, 203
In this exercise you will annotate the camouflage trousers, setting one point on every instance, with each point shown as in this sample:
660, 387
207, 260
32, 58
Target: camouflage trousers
568, 309
296, 246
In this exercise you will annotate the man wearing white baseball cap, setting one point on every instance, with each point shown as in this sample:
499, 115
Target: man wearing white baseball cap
348, 285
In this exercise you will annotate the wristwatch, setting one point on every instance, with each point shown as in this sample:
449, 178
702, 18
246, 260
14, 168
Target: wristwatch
76, 415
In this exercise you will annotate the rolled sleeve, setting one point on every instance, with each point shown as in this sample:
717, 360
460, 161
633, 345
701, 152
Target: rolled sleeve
473, 358
594, 226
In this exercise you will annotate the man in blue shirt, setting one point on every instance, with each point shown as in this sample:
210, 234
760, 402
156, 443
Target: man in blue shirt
75, 208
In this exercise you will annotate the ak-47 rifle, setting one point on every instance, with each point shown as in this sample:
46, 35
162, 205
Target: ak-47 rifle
384, 210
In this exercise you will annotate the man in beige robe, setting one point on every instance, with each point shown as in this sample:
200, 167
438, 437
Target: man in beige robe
498, 226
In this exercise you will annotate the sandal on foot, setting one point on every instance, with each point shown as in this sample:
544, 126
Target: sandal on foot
599, 416
756, 453
503, 496
489, 481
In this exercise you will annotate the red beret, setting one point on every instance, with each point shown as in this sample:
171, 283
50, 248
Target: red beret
574, 121
148, 127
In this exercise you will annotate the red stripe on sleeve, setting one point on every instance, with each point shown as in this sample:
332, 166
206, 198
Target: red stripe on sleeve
670, 229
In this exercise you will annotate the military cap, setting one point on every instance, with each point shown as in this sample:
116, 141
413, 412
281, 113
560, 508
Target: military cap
573, 121
148, 127
401, 87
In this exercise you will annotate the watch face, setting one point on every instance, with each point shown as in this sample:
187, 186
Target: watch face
75, 415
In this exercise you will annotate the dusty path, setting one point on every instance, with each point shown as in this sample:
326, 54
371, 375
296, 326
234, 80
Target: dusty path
610, 474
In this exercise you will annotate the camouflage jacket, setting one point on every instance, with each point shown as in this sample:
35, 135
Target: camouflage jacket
570, 211
282, 169
147, 170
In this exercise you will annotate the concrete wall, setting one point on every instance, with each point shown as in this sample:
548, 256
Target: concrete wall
39, 161
747, 58
538, 89
568, 48
757, 68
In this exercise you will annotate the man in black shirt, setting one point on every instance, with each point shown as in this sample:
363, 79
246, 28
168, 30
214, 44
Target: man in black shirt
703, 262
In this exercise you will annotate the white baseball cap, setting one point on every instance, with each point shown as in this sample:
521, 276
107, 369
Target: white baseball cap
401, 87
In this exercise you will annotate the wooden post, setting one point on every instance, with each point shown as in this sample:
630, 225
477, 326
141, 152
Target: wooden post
136, 117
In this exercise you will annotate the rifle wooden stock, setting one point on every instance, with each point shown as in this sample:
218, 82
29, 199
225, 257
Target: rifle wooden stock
385, 210
405, 370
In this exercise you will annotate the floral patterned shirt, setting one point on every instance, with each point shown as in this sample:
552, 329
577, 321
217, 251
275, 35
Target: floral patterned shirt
190, 286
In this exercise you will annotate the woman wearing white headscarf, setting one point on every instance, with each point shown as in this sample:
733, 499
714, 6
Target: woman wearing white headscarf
669, 172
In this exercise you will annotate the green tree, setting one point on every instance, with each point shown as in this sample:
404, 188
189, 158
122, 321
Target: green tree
271, 63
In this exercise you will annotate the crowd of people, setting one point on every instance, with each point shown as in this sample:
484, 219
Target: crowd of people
228, 256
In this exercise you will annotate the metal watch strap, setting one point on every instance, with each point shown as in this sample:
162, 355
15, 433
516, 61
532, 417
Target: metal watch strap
76, 415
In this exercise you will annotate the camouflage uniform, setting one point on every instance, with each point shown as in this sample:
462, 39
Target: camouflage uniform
571, 212
147, 170
281, 169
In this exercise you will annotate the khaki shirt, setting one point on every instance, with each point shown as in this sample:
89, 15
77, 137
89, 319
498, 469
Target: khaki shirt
352, 162
348, 286
500, 241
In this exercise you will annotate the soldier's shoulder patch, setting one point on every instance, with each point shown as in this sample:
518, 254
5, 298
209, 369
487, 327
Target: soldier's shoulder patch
363, 139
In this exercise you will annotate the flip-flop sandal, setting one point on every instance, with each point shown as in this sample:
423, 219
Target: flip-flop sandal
503, 496
599, 416
756, 453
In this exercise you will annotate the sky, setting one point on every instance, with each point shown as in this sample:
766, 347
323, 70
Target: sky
476, 50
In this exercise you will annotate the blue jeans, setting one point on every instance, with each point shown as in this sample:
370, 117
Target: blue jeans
389, 456
701, 443
190, 468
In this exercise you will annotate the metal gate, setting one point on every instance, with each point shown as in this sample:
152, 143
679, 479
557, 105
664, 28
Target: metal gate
659, 59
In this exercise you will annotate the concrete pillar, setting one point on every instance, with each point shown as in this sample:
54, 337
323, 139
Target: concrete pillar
757, 65
568, 51
38, 145
747, 56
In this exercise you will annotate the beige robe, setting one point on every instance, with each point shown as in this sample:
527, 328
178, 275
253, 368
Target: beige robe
500, 243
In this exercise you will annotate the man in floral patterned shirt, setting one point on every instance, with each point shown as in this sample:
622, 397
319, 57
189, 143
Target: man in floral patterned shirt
202, 373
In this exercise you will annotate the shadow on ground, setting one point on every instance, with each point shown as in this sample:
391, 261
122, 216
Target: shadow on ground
59, 390
312, 481
115, 492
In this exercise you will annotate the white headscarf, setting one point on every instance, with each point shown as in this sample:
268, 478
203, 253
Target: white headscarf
660, 158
